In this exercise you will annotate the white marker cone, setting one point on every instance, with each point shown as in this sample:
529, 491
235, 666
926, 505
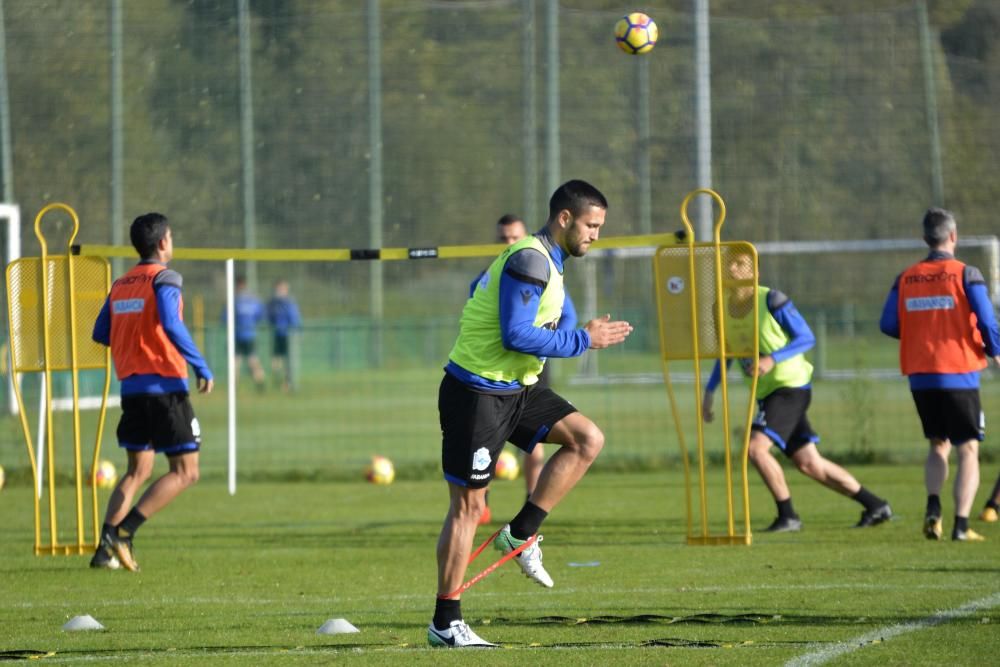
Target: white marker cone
87, 622
336, 626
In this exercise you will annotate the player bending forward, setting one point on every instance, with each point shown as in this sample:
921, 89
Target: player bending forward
783, 395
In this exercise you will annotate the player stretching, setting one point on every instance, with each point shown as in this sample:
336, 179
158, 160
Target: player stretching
151, 348
783, 396
940, 311
489, 395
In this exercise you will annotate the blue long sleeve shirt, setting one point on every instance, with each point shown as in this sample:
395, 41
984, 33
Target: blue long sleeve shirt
283, 314
986, 321
524, 278
248, 311
168, 296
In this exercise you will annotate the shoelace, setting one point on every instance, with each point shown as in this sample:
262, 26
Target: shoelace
529, 553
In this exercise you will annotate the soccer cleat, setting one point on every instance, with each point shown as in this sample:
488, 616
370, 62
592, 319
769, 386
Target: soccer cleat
122, 547
932, 527
989, 515
485, 517
105, 559
530, 559
873, 518
457, 635
785, 524
967, 535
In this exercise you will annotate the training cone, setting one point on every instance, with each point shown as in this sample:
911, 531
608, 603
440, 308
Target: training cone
336, 626
87, 622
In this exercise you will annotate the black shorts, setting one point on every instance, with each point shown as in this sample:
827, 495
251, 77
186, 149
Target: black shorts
280, 348
162, 422
950, 414
244, 348
475, 425
543, 378
781, 416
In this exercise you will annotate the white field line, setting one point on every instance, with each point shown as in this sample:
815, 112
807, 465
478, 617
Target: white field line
883, 634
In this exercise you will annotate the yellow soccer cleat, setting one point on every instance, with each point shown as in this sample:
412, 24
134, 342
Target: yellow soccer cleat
932, 528
989, 515
966, 536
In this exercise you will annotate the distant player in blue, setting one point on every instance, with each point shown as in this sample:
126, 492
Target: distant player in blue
248, 313
510, 230
283, 314
784, 392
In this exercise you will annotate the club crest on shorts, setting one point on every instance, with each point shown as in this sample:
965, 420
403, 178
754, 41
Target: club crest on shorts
481, 459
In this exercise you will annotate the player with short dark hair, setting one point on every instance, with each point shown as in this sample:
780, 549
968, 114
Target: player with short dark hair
141, 321
940, 310
784, 392
510, 229
489, 395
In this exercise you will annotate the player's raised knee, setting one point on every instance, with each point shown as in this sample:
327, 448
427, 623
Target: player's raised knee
589, 441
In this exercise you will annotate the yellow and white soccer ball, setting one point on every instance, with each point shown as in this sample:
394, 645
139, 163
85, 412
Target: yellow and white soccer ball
107, 475
380, 471
636, 33
507, 466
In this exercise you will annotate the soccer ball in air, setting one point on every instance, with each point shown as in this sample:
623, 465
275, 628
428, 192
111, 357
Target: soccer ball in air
380, 471
107, 476
507, 467
636, 33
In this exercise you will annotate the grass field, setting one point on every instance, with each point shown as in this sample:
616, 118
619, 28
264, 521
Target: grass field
248, 580
337, 420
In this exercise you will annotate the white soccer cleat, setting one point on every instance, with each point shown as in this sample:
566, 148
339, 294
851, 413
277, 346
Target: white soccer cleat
458, 635
530, 559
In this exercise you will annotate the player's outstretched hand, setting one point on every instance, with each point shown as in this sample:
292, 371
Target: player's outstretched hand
205, 385
604, 332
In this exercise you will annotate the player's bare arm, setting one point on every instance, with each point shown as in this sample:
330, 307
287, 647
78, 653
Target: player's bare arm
707, 413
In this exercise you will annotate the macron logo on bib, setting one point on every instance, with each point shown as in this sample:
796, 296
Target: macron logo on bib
127, 306
917, 304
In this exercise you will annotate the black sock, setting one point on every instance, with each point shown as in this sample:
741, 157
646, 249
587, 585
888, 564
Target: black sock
785, 509
108, 530
868, 499
131, 523
933, 505
446, 611
527, 521
961, 523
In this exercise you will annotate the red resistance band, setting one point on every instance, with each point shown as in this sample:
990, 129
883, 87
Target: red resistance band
489, 570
